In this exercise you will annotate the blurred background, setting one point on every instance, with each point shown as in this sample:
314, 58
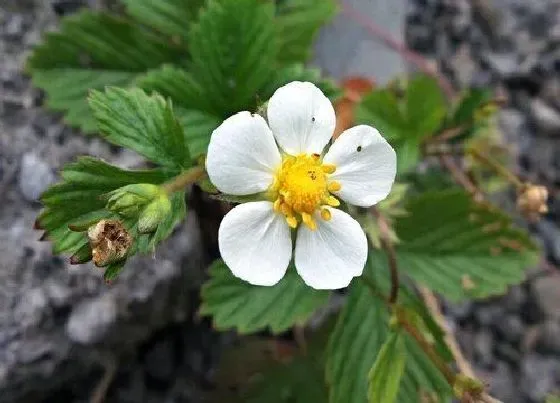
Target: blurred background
67, 337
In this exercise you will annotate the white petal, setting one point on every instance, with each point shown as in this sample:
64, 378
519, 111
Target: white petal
255, 243
366, 165
329, 257
301, 117
242, 155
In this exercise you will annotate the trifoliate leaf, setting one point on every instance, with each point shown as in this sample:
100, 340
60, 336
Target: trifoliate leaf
233, 48
145, 124
358, 337
171, 17
460, 248
90, 51
78, 202
385, 375
233, 303
425, 106
177, 84
298, 22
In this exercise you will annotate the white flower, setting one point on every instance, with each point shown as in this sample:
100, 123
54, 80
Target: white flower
301, 187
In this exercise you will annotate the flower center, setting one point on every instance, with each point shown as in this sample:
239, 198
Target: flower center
301, 186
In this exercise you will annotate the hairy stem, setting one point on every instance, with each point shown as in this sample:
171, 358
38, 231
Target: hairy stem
460, 177
497, 167
186, 178
391, 254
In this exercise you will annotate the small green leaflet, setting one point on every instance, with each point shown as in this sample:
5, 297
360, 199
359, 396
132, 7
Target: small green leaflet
234, 303
145, 124
405, 122
460, 248
358, 337
385, 375
298, 22
233, 49
93, 50
170, 17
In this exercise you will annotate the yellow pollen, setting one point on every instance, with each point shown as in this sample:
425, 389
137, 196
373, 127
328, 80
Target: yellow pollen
301, 188
309, 221
334, 186
333, 201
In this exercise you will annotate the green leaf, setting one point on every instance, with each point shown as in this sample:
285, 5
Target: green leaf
197, 127
298, 72
358, 337
177, 84
90, 51
67, 90
298, 22
234, 303
425, 106
77, 199
466, 111
233, 49
113, 270
460, 248
388, 369
299, 381
145, 124
408, 155
170, 17
381, 110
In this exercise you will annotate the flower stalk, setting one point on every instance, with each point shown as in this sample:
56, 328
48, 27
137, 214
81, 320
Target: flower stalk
496, 166
391, 254
184, 179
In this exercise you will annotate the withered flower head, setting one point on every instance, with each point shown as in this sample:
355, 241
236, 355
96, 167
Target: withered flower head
531, 201
109, 241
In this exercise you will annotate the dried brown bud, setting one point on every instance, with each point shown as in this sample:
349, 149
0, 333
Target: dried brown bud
110, 242
531, 201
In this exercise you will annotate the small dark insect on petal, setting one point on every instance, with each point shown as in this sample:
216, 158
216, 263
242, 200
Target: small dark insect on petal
313, 119
359, 149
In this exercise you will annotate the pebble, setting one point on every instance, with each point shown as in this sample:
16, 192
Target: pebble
91, 320
159, 361
548, 341
539, 376
511, 328
35, 176
546, 291
546, 118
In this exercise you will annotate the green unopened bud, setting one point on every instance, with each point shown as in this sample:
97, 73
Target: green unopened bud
129, 200
154, 214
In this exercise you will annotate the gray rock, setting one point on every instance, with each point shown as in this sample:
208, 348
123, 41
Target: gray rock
90, 321
546, 118
549, 337
483, 348
159, 361
546, 292
35, 176
502, 384
539, 376
504, 65
488, 314
515, 298
551, 237
511, 328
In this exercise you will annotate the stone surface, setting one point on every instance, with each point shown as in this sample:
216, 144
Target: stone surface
546, 291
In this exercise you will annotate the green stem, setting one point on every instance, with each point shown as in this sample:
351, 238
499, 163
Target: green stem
184, 179
391, 254
497, 167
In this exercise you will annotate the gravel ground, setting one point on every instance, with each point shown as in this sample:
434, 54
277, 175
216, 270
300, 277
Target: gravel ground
512, 46
50, 329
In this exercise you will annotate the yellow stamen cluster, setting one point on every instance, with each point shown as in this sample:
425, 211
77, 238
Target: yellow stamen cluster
301, 186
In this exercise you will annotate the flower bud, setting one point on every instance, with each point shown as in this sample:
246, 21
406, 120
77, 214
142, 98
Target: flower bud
129, 200
153, 214
531, 201
109, 241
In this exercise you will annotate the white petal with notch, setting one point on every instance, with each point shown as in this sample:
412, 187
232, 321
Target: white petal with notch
366, 165
301, 117
329, 257
242, 155
255, 243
